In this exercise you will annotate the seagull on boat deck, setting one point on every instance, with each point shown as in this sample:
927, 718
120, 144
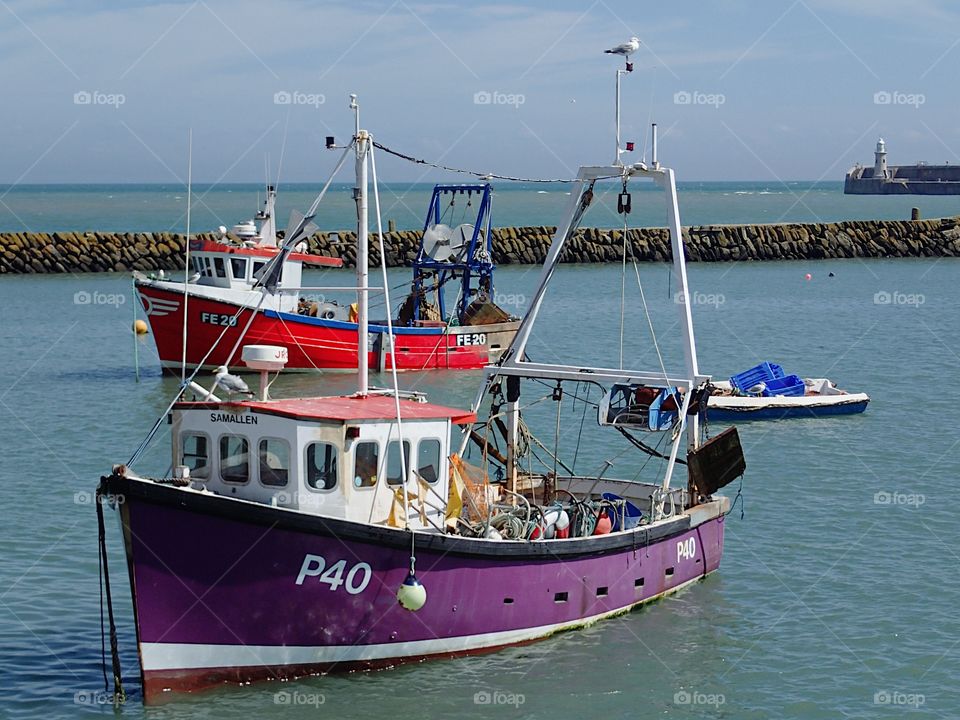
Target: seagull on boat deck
626, 49
231, 383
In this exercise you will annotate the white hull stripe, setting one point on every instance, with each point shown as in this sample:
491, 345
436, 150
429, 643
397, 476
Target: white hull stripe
190, 656
158, 307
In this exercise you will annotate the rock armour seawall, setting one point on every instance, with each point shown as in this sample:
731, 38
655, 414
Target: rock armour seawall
81, 252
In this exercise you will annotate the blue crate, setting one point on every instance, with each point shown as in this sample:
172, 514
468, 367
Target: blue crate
762, 373
790, 385
630, 513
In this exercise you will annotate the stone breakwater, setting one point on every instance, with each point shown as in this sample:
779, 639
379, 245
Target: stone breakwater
69, 252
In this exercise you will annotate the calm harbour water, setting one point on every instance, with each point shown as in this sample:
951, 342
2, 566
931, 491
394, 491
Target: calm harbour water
837, 593
147, 208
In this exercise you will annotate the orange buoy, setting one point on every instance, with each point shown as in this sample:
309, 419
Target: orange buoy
604, 524
140, 327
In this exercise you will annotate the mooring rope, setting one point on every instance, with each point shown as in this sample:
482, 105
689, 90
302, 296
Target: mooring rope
119, 696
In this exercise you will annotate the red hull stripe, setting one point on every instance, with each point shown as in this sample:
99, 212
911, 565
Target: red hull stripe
310, 344
262, 252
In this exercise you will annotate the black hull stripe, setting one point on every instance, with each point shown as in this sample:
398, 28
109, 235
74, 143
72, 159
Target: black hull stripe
264, 515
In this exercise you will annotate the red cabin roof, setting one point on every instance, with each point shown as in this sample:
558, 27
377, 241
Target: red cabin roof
261, 252
344, 409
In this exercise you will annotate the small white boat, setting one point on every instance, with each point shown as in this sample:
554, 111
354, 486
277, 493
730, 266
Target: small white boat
821, 397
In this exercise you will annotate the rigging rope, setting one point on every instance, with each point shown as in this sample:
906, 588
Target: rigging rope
186, 259
558, 397
119, 695
481, 175
586, 400
640, 445
393, 360
623, 210
653, 334
576, 452
142, 447
739, 498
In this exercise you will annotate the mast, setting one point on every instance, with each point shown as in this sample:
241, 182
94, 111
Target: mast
620, 73
692, 367
616, 158
653, 144
667, 180
513, 426
186, 260
363, 289
268, 230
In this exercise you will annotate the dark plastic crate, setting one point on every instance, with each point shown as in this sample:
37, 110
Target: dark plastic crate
762, 373
790, 385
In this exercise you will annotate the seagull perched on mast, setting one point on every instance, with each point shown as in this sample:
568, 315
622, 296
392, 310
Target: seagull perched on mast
231, 383
626, 49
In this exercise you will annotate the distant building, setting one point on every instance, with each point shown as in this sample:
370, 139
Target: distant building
919, 179
880, 160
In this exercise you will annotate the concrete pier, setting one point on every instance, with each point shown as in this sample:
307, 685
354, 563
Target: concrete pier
79, 252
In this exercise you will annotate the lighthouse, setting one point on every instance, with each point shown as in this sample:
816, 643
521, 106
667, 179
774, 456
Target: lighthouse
880, 162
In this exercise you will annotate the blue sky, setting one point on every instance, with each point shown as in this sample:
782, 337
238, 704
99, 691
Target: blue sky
780, 90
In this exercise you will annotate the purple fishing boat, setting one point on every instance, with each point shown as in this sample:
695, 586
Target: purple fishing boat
298, 536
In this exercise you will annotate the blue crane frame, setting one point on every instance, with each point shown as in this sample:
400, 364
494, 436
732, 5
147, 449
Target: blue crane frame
472, 264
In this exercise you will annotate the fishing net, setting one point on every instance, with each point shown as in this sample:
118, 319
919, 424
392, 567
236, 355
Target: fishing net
470, 491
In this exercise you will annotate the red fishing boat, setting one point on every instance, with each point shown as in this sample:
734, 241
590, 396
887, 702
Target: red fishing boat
247, 285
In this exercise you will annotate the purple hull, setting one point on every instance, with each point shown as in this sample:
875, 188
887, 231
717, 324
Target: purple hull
231, 591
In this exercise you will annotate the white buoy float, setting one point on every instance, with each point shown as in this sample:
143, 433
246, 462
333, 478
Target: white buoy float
412, 594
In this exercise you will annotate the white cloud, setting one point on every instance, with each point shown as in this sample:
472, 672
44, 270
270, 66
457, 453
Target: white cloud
416, 83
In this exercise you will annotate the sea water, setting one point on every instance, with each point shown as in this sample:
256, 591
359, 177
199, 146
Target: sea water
156, 208
838, 589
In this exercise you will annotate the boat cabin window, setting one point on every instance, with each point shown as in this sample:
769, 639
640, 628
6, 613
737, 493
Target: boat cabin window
194, 453
428, 460
208, 267
220, 268
322, 466
198, 265
234, 460
366, 460
257, 269
274, 456
239, 268
394, 466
